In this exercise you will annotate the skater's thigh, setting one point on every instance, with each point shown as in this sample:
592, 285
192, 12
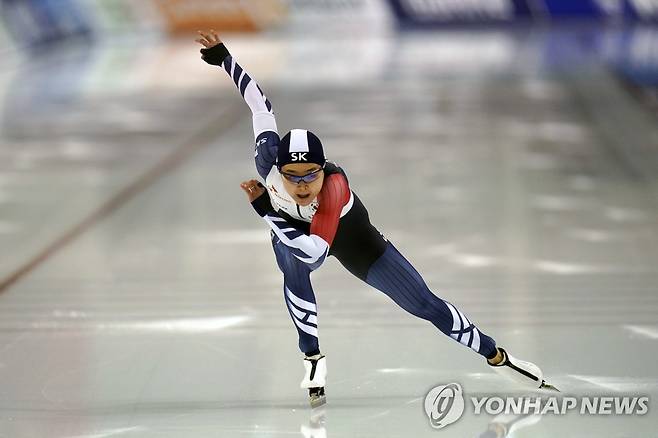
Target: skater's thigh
393, 262
361, 252
290, 266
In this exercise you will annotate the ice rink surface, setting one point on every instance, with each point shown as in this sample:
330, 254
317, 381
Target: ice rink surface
140, 293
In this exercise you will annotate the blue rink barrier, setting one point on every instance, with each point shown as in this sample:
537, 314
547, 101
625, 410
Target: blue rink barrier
630, 50
634, 55
37, 22
442, 12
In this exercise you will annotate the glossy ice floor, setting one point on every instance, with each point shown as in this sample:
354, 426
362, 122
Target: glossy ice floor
525, 192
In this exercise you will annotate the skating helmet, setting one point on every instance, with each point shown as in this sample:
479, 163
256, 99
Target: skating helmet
300, 146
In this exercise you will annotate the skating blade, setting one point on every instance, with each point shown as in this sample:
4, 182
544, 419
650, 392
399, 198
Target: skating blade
548, 386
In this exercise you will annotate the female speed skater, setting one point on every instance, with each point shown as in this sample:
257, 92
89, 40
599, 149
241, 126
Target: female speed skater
313, 213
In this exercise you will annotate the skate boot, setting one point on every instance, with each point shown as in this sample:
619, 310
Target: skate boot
315, 379
525, 373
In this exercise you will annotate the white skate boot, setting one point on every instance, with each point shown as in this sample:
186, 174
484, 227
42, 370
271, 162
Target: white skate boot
315, 379
525, 373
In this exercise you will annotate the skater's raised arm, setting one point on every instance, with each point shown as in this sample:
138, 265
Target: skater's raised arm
264, 123
216, 53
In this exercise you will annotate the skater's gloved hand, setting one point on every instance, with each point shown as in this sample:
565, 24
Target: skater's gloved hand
253, 189
214, 51
258, 196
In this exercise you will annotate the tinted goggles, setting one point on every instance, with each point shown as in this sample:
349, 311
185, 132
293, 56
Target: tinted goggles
308, 178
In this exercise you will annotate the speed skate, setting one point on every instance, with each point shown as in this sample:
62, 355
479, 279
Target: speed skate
315, 379
525, 373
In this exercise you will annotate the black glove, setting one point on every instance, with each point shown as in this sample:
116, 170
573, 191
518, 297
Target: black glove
262, 204
215, 55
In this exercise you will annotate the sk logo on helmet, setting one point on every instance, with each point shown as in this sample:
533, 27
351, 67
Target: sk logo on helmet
444, 405
299, 156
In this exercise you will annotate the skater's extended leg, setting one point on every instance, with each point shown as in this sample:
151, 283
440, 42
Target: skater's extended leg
392, 274
396, 277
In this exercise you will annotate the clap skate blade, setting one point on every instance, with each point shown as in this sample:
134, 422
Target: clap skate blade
316, 397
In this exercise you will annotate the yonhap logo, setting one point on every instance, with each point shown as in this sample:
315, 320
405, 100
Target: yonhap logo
444, 405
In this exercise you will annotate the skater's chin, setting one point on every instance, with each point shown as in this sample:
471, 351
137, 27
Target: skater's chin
303, 199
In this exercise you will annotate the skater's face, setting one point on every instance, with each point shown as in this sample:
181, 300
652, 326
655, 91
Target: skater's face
305, 191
